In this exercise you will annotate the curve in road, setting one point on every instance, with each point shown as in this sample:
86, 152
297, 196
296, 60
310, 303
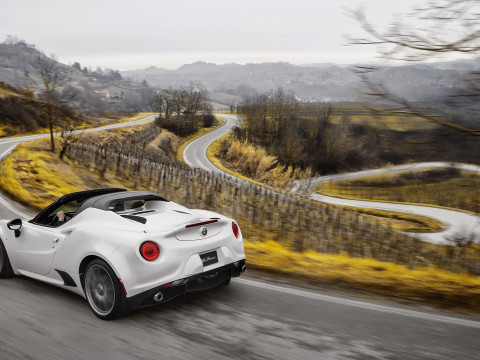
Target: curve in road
456, 222
195, 154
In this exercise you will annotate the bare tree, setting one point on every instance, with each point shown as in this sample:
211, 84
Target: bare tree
164, 101
446, 27
52, 75
68, 135
187, 100
194, 98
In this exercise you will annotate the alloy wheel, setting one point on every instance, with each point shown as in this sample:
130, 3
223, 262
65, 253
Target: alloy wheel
99, 289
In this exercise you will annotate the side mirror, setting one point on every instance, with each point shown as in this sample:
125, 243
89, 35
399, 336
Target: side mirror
15, 225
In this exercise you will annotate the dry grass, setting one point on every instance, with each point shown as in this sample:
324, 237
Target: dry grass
102, 121
391, 122
122, 134
6, 92
433, 186
35, 176
254, 163
213, 152
358, 114
402, 221
427, 284
7, 131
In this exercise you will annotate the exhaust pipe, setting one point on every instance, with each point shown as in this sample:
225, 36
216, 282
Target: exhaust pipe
244, 268
158, 297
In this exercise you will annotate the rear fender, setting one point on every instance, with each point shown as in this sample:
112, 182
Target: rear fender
99, 237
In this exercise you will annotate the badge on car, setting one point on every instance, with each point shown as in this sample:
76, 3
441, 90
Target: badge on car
204, 231
209, 258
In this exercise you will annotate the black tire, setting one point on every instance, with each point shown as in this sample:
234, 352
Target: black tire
104, 293
6, 270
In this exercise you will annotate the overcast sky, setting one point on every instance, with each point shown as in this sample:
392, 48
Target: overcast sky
127, 34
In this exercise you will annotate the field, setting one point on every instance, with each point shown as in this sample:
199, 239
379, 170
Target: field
358, 114
433, 186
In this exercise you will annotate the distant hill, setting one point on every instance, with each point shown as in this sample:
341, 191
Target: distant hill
101, 89
313, 82
96, 90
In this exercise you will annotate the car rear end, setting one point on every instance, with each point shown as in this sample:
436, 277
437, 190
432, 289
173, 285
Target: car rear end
196, 253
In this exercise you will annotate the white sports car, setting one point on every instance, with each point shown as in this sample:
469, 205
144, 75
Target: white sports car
123, 250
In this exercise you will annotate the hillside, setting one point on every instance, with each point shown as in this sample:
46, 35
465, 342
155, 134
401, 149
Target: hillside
98, 90
316, 82
20, 112
95, 91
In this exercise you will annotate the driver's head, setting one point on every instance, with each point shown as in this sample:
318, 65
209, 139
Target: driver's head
137, 205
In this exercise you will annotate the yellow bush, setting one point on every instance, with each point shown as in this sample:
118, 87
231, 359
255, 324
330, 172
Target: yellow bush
254, 162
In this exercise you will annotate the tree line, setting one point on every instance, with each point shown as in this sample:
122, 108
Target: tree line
182, 110
305, 135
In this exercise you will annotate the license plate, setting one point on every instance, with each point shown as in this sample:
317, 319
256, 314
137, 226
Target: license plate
209, 258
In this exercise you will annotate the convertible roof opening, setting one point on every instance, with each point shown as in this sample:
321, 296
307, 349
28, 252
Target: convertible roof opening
112, 199
79, 197
120, 201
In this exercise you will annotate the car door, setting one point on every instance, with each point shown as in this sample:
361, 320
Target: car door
35, 248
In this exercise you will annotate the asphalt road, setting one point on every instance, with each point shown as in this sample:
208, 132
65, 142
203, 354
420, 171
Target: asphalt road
195, 154
250, 319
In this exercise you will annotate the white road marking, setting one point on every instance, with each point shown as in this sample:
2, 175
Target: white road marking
362, 304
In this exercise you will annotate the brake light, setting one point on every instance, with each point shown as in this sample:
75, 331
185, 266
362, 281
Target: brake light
235, 230
149, 250
202, 223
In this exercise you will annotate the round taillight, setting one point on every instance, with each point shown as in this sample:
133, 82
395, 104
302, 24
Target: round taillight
235, 230
149, 250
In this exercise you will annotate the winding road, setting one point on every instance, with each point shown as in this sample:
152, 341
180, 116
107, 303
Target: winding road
250, 319
456, 222
195, 154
